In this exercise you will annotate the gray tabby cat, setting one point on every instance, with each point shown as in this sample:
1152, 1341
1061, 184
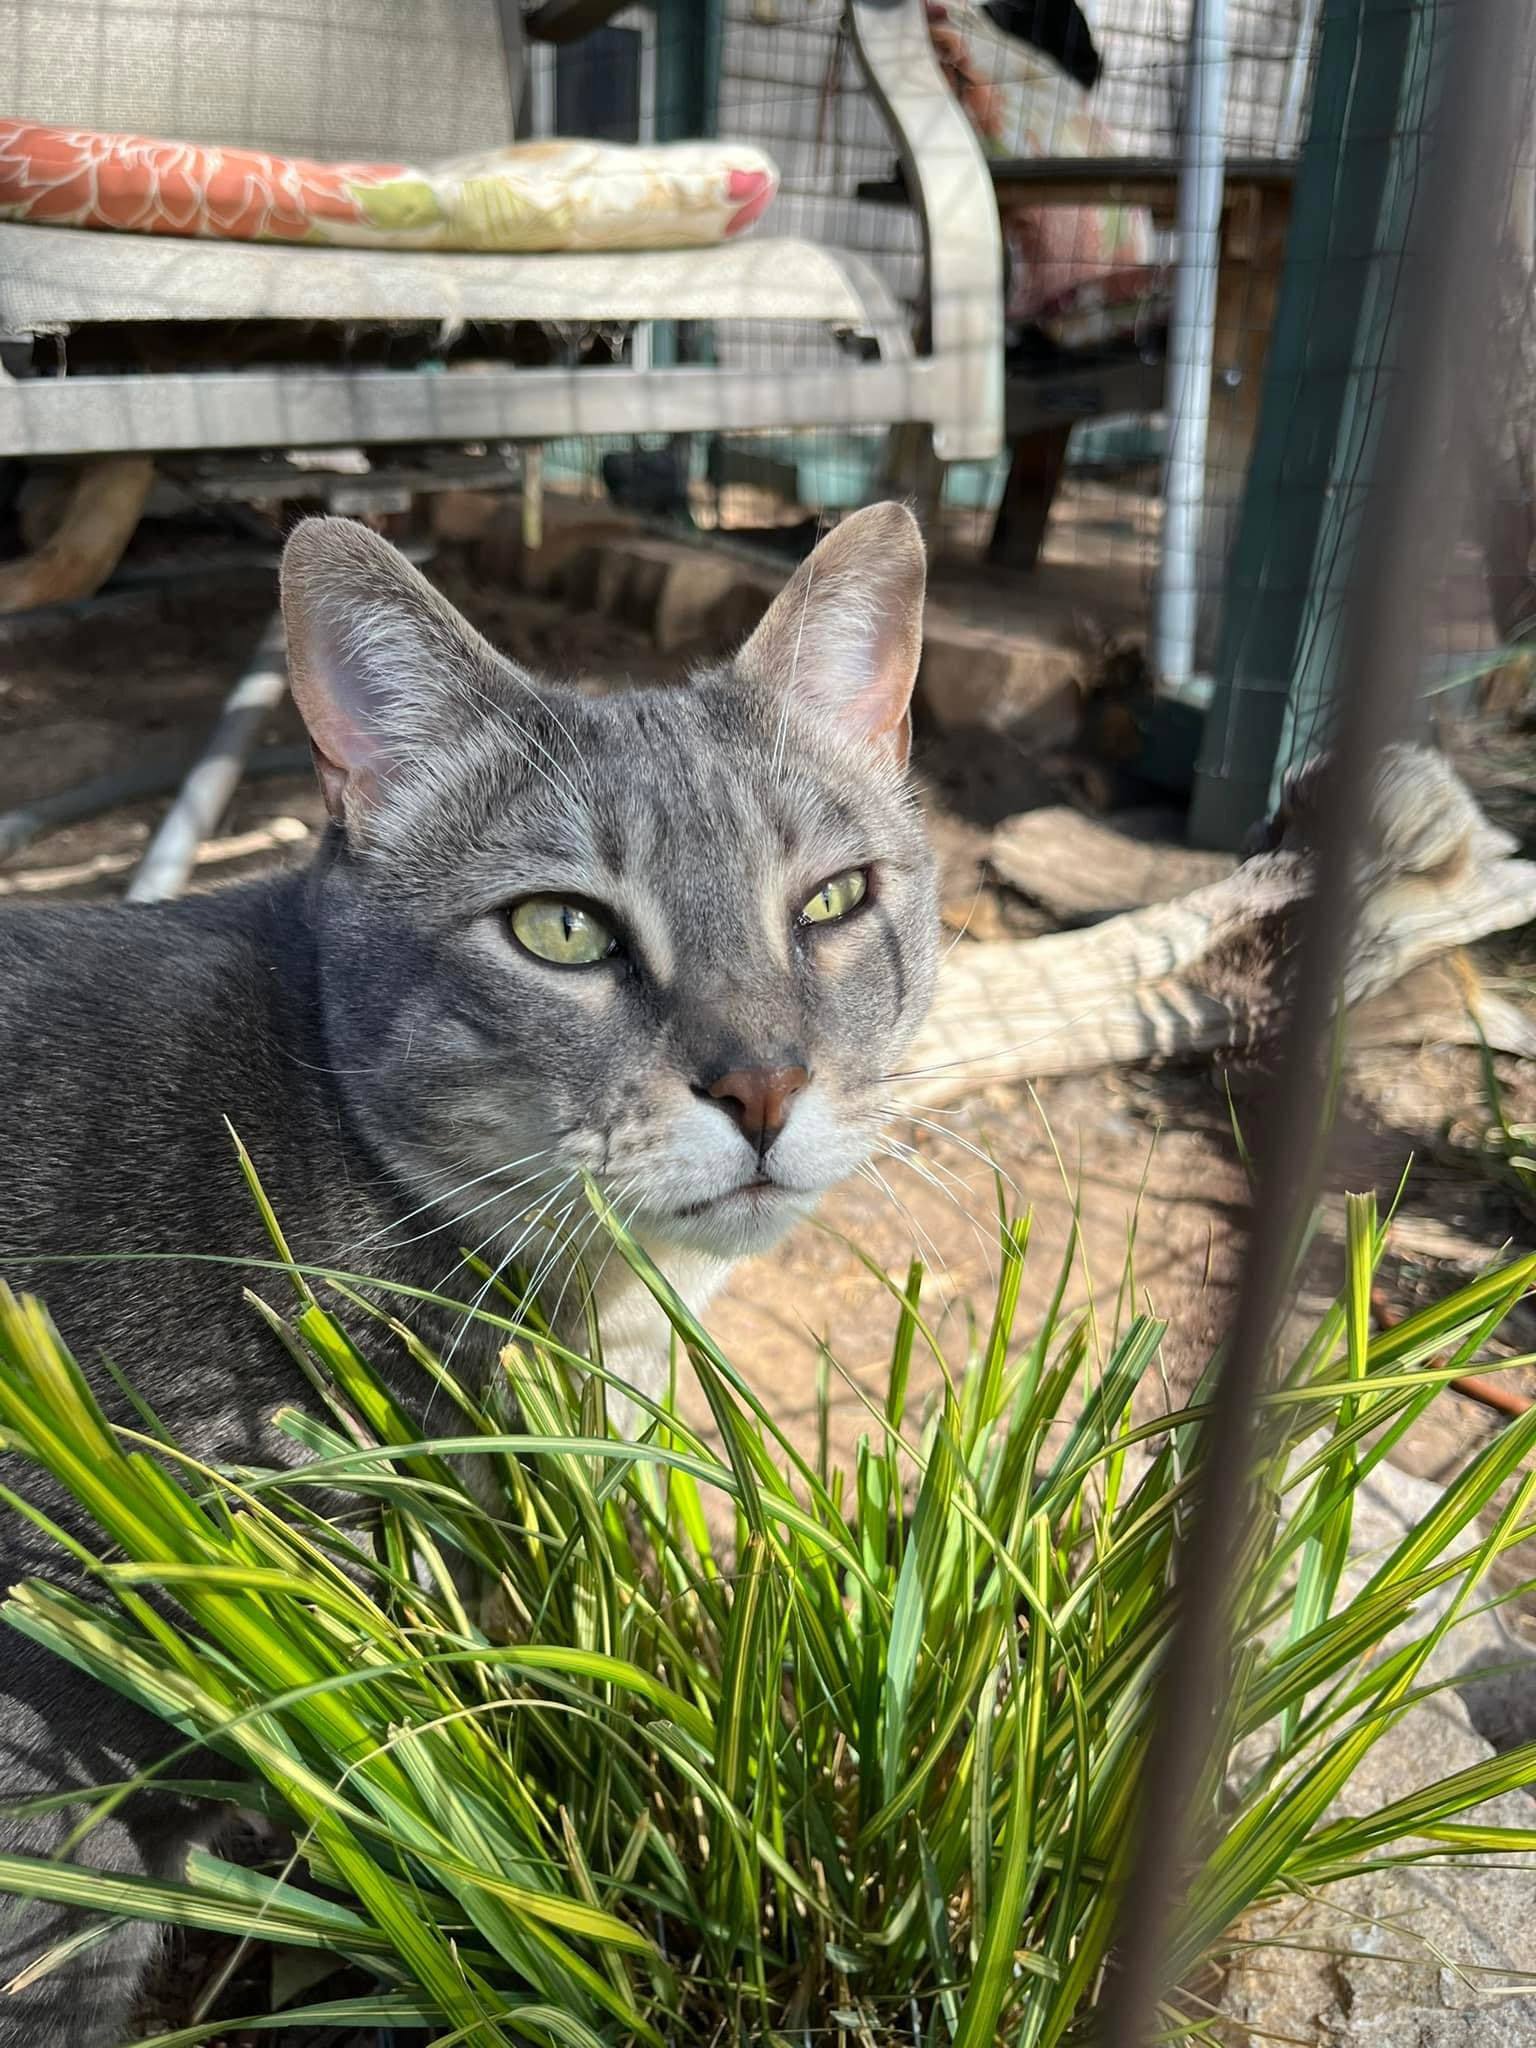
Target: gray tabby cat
676, 938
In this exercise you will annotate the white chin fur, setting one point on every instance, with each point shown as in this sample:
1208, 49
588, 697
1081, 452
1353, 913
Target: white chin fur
732, 1229
693, 1197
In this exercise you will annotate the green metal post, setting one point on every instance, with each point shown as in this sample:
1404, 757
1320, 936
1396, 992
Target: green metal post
1331, 349
688, 40
688, 36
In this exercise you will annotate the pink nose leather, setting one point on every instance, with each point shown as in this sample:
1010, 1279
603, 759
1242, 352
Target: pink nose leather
756, 1099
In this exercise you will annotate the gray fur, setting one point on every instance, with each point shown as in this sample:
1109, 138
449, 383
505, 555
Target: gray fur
389, 1055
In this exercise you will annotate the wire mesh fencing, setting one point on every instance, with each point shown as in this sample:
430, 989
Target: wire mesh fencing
1448, 286
1336, 353
1088, 259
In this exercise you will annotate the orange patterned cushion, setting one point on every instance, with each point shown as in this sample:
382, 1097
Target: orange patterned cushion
528, 196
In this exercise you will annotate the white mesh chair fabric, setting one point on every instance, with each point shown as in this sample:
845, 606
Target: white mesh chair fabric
389, 80
52, 279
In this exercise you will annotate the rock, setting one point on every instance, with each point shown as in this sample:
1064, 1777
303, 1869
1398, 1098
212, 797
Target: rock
737, 614
701, 593
1501, 1705
1415, 1959
463, 514
680, 593
1407, 1958
571, 526
978, 677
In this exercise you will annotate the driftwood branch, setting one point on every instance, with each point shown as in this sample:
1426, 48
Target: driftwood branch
153, 776
1209, 972
276, 836
94, 526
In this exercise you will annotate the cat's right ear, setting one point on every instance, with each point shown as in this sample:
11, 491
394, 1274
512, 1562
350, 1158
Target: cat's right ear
845, 635
373, 657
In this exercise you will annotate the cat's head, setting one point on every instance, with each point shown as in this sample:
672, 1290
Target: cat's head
675, 937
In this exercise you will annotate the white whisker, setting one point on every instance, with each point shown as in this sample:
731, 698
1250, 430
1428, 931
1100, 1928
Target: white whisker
986, 1244
501, 1266
937, 1263
929, 1170
439, 1201
901, 1113
935, 1164
531, 1224
620, 1194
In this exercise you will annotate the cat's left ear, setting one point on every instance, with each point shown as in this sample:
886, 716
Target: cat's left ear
845, 634
381, 667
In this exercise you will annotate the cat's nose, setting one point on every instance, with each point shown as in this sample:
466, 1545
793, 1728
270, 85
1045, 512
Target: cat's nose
757, 1099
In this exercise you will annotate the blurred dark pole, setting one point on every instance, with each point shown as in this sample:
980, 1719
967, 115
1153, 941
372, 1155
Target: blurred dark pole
1442, 319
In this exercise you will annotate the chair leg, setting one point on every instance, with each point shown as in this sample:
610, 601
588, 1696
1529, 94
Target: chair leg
910, 469
1018, 532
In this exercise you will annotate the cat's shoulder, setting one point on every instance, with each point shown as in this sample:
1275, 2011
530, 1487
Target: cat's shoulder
132, 954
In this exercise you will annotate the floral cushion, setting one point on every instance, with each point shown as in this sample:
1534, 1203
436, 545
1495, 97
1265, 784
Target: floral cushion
1082, 273
528, 196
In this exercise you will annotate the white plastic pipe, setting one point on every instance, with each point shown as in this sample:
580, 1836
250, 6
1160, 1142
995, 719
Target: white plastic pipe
1191, 342
205, 794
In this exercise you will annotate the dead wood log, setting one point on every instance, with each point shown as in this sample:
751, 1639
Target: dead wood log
275, 836
1209, 972
94, 526
1441, 1002
1080, 868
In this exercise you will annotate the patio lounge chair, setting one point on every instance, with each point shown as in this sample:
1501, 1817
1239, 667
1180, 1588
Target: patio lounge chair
407, 81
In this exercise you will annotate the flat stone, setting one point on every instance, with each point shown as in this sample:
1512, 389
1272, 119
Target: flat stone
680, 594
571, 527
705, 598
463, 514
973, 677
980, 667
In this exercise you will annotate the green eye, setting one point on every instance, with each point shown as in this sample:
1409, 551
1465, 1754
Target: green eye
835, 898
565, 934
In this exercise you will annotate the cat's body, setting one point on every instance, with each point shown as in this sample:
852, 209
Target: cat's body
673, 940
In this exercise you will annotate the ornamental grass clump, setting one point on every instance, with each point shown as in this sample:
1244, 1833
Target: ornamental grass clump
671, 1739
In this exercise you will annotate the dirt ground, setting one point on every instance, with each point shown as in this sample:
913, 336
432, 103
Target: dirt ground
143, 671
